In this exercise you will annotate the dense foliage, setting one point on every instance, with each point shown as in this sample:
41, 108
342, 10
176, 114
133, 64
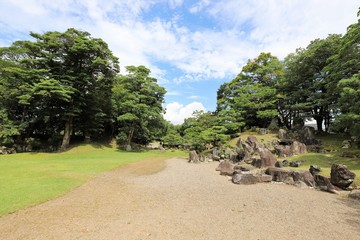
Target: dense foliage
319, 82
64, 84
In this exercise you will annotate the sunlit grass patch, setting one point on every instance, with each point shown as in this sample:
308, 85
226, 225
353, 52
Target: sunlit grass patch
30, 178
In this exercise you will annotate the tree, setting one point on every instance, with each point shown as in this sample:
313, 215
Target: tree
349, 103
59, 79
251, 98
172, 137
344, 71
306, 86
137, 101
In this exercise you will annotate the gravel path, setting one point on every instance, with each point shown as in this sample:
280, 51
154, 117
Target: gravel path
184, 201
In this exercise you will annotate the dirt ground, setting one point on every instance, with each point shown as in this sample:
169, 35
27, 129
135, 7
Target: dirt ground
173, 199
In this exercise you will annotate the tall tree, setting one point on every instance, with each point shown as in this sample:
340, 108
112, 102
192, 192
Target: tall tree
251, 97
344, 82
306, 85
137, 100
60, 75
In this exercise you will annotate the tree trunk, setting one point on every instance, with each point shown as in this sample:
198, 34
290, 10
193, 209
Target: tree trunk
319, 123
67, 134
130, 136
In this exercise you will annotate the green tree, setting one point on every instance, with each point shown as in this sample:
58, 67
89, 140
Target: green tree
349, 103
172, 137
251, 98
59, 79
137, 101
306, 86
343, 85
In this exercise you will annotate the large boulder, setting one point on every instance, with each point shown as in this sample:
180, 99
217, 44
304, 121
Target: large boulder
307, 136
282, 134
341, 176
324, 184
252, 140
216, 153
355, 194
250, 178
262, 131
294, 164
314, 169
297, 148
267, 158
346, 144
232, 155
193, 157
283, 151
288, 149
280, 175
305, 177
226, 168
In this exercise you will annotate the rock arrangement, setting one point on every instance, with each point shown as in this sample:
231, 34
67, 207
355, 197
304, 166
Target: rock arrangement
340, 178
252, 162
6, 150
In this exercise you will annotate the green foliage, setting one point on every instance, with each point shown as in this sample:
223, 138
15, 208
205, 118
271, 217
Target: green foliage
61, 79
137, 106
251, 98
172, 137
215, 135
349, 103
7, 129
306, 87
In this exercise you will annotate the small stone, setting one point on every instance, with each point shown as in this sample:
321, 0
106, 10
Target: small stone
355, 194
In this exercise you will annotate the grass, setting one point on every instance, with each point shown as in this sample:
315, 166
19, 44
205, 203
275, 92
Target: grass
28, 179
331, 143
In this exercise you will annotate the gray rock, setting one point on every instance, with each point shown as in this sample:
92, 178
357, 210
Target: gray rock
249, 178
285, 163
307, 136
282, 134
294, 164
324, 184
305, 177
355, 194
341, 176
346, 144
244, 168
280, 175
267, 158
279, 164
314, 169
297, 148
128, 148
226, 168
216, 152
193, 157
262, 131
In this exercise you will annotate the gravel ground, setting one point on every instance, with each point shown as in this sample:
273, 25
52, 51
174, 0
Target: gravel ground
184, 201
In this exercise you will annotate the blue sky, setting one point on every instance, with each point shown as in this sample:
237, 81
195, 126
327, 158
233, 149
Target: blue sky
191, 47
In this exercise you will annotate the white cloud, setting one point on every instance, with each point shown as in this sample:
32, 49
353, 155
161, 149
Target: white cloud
246, 28
176, 112
281, 26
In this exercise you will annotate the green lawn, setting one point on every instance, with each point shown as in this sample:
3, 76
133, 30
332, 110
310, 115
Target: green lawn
30, 178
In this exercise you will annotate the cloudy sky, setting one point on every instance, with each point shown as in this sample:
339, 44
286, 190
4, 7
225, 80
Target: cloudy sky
191, 47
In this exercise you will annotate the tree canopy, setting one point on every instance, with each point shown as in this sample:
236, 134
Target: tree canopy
65, 85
